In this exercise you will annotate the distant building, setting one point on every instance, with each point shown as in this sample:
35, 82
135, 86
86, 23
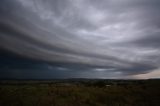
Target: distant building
108, 85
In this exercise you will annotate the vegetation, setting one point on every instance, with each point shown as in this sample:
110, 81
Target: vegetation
80, 93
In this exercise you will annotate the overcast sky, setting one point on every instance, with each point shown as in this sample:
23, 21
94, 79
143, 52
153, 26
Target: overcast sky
79, 38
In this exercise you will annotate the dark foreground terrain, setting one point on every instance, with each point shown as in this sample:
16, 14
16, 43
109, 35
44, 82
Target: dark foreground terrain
80, 92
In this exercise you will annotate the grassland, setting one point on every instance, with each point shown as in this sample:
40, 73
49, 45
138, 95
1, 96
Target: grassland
80, 93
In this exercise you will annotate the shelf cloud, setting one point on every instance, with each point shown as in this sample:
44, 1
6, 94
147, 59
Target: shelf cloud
82, 38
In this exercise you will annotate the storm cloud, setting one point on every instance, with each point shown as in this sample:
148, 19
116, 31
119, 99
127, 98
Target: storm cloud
83, 38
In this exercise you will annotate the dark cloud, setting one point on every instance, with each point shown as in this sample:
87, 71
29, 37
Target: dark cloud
80, 38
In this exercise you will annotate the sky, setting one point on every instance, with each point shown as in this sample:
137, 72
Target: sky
112, 39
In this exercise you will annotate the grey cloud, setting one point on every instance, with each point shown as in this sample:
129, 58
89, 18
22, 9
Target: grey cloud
87, 34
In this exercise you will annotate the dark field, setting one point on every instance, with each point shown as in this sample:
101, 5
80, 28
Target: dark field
81, 92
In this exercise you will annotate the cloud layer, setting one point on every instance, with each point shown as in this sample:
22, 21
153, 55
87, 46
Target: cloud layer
115, 38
